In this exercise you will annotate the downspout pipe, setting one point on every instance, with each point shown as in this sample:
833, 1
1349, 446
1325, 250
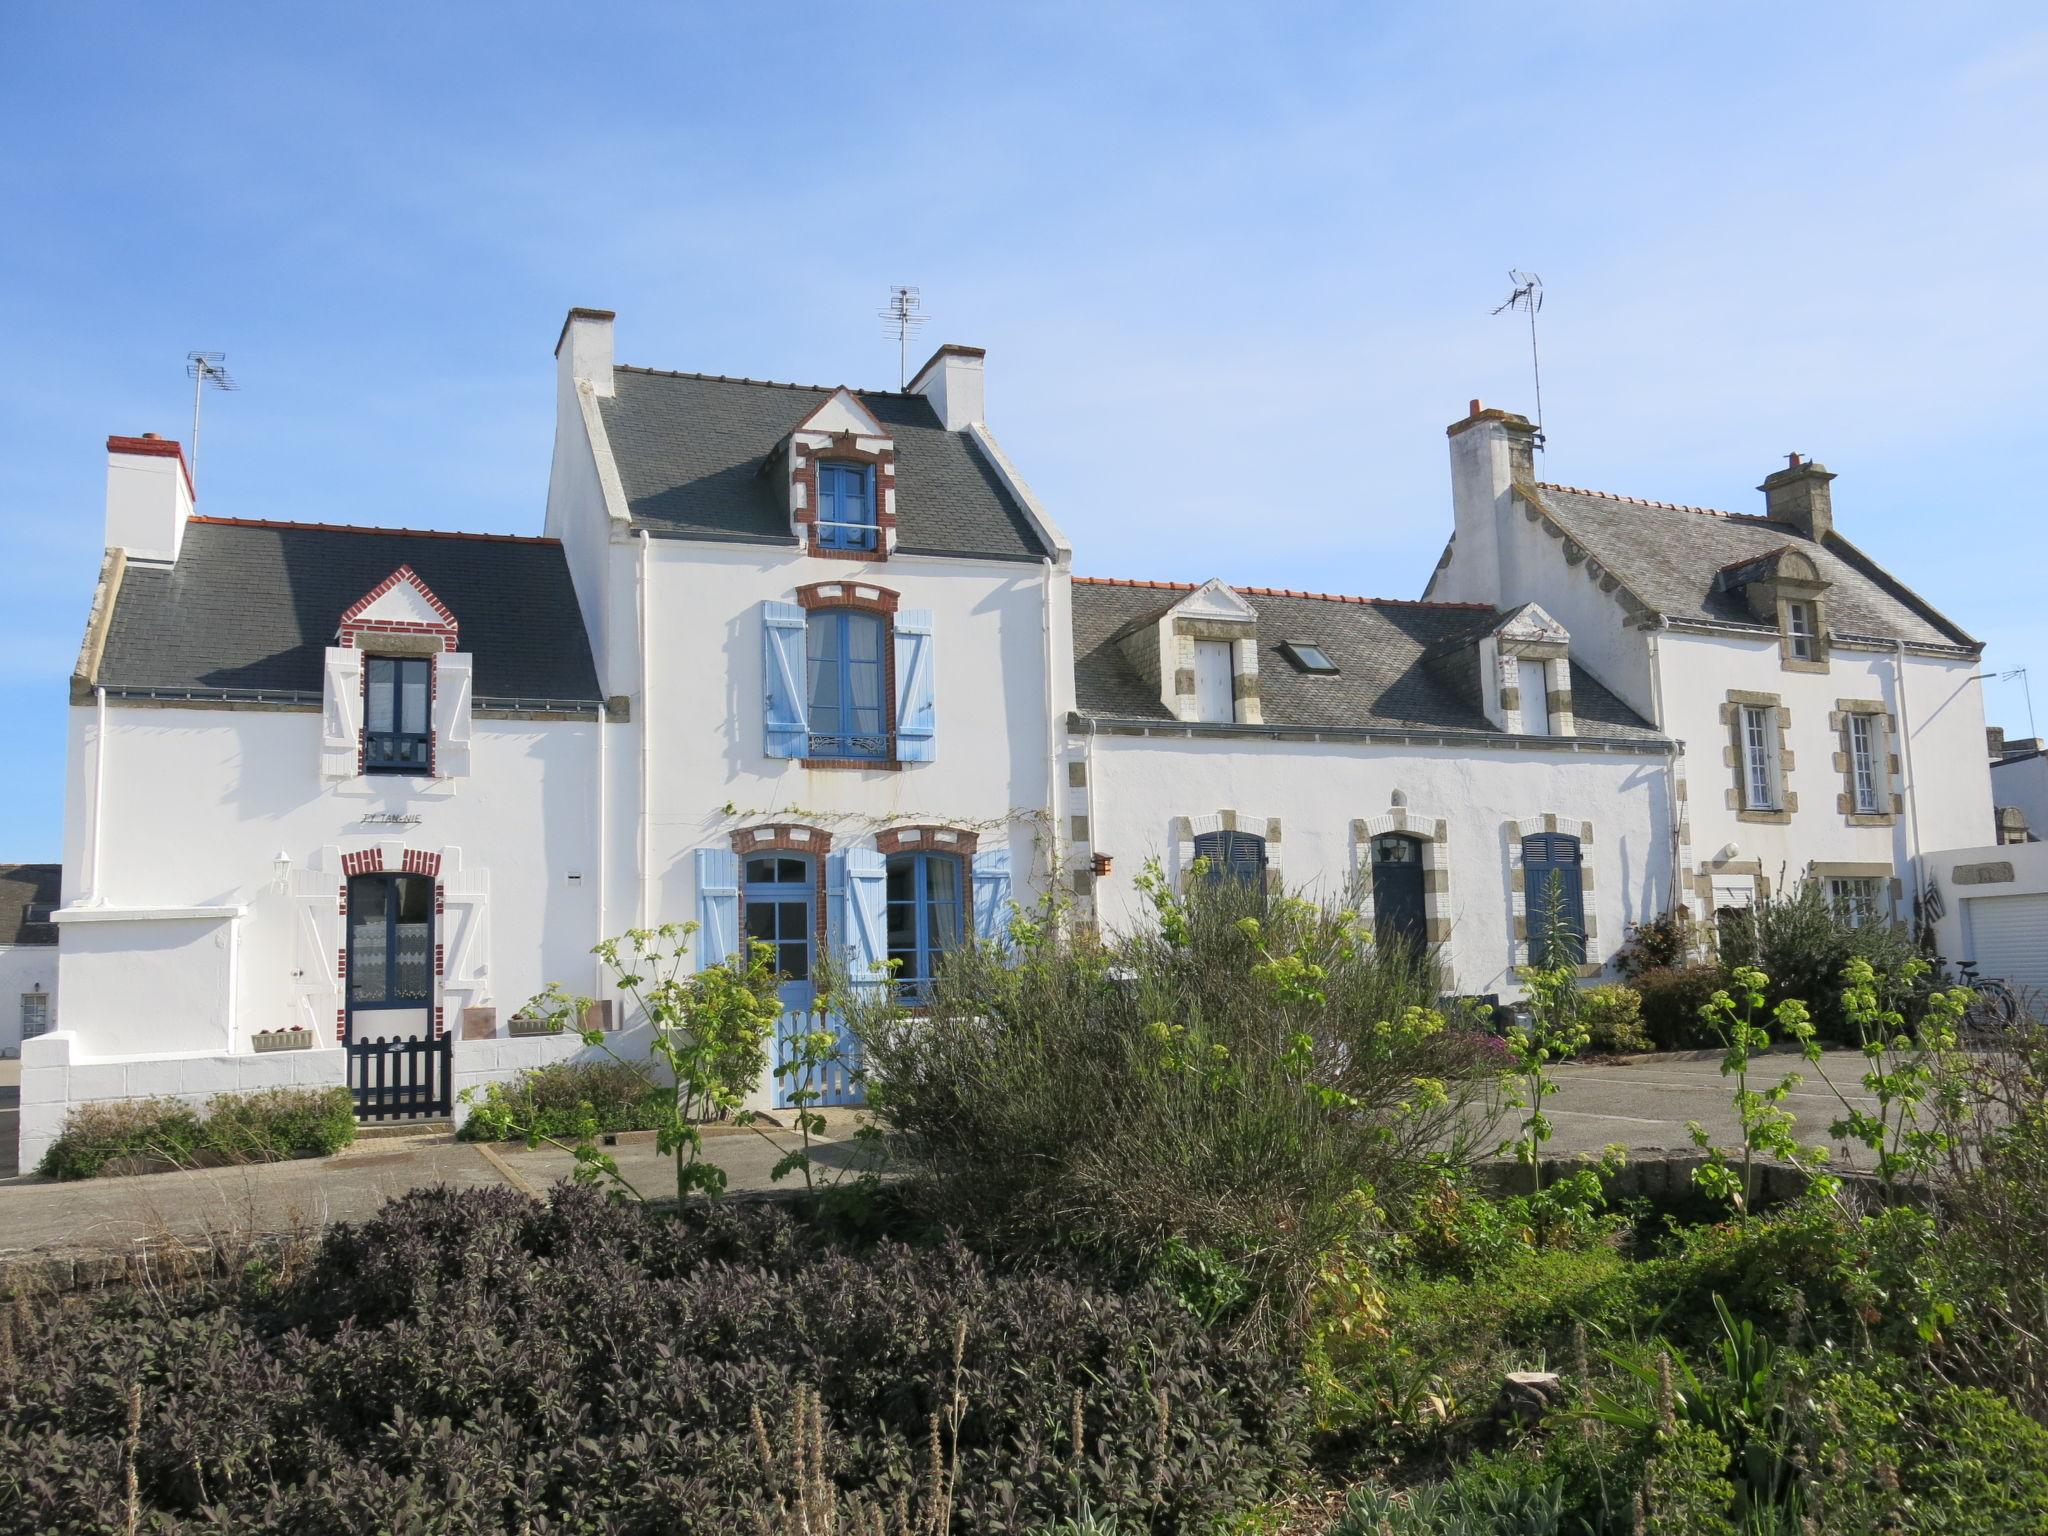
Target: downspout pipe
1052, 735
598, 984
1672, 762
94, 894
646, 752
1912, 778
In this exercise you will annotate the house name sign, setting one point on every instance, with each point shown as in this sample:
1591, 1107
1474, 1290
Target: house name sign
390, 819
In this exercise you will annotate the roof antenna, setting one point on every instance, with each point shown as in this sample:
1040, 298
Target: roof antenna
1528, 295
905, 314
203, 368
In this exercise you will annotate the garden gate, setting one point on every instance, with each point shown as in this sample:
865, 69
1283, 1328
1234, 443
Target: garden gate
404, 1078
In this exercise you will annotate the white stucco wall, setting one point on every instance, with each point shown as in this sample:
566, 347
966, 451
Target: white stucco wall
1139, 785
2023, 782
198, 805
2028, 863
23, 968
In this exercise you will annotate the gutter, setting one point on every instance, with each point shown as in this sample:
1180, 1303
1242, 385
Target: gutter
1088, 725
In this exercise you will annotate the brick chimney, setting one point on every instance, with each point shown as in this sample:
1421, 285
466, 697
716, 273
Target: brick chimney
149, 496
1490, 451
1798, 497
952, 382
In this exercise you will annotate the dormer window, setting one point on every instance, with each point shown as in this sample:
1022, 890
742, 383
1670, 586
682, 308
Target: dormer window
846, 506
397, 691
1213, 701
1799, 631
1307, 657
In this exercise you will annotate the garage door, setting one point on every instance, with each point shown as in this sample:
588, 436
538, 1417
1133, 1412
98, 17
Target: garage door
2009, 936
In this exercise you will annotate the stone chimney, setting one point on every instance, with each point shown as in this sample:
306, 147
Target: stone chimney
1994, 738
584, 349
1798, 497
149, 496
1490, 451
952, 382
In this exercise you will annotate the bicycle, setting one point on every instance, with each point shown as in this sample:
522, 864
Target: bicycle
1994, 1007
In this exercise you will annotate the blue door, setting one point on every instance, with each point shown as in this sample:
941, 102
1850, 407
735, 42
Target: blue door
780, 895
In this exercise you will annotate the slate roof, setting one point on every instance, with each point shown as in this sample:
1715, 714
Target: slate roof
1670, 556
254, 606
23, 886
690, 448
1383, 651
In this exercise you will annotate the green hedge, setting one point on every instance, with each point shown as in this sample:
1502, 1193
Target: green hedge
565, 1100
262, 1127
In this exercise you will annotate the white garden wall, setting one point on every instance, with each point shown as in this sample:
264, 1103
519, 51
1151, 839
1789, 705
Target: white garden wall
24, 968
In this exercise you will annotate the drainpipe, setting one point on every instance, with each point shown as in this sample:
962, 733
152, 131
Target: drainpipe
597, 965
1052, 735
1912, 778
99, 795
646, 757
1671, 763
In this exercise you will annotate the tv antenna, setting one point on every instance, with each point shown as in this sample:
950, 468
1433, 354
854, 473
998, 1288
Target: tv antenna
204, 368
2026, 687
1528, 295
904, 315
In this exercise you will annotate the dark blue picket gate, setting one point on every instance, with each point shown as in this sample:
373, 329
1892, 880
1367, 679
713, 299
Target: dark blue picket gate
402, 1078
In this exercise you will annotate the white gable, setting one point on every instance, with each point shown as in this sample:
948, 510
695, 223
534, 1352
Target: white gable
403, 604
843, 413
1530, 622
1214, 600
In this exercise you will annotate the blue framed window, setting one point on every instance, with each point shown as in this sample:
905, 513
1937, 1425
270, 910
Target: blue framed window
846, 506
1233, 856
390, 941
1552, 872
848, 655
927, 914
396, 693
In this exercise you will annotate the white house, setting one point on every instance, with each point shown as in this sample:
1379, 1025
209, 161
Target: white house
1828, 722
28, 952
809, 665
2019, 782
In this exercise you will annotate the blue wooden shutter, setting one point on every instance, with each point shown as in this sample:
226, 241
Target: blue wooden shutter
785, 673
992, 893
718, 906
1545, 855
917, 732
867, 938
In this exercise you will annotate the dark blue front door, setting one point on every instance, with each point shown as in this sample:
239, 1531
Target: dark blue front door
1398, 917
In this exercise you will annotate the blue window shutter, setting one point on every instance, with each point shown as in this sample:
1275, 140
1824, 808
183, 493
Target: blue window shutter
867, 939
917, 729
992, 893
1545, 855
784, 672
718, 906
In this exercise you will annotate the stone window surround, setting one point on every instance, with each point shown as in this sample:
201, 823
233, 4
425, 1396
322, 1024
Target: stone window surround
412, 861
1703, 884
1558, 701
1739, 699
1819, 870
1816, 635
1883, 748
1433, 833
843, 448
1187, 828
862, 597
1243, 637
1512, 833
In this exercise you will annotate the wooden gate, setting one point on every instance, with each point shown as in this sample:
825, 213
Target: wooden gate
837, 1080
404, 1078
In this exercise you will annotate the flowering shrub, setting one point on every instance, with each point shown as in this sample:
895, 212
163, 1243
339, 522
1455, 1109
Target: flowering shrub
268, 1125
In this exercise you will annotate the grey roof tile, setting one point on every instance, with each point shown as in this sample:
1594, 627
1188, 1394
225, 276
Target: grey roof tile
690, 449
255, 605
1671, 556
1384, 653
23, 886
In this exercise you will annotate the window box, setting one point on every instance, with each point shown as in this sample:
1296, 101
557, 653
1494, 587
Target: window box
526, 1024
282, 1040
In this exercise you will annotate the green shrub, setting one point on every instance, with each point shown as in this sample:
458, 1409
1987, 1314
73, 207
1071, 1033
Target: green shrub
564, 1101
1670, 1002
1803, 944
1251, 1075
265, 1126
1613, 1014
1477, 1502
1660, 943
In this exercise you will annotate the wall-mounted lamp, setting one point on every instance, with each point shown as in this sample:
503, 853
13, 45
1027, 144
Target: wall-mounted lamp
1101, 863
281, 867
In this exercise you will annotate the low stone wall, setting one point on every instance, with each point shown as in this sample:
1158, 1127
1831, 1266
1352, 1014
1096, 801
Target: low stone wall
54, 1077
1662, 1177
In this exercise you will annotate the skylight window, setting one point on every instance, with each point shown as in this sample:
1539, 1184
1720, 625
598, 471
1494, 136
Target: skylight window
1306, 657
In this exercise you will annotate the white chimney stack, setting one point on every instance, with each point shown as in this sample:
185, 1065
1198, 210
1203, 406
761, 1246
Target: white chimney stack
584, 349
149, 496
952, 382
1490, 451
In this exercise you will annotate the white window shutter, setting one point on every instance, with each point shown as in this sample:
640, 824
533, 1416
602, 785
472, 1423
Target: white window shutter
867, 936
992, 893
341, 713
452, 708
462, 930
718, 906
917, 739
786, 673
316, 953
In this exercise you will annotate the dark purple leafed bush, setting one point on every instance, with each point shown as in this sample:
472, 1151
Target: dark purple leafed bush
474, 1361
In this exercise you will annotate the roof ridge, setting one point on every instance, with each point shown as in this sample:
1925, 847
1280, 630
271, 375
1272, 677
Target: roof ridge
409, 533
732, 378
1644, 501
1320, 597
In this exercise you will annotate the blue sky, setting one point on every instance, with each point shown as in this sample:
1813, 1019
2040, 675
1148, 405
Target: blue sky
1233, 265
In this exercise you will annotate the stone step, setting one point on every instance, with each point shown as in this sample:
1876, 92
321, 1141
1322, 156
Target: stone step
426, 1125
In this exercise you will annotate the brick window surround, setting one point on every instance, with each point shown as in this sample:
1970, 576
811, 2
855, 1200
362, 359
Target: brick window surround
413, 861
861, 597
787, 837
845, 449
389, 637
1512, 833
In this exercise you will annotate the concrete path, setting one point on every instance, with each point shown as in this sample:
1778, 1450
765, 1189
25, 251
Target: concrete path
1641, 1104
